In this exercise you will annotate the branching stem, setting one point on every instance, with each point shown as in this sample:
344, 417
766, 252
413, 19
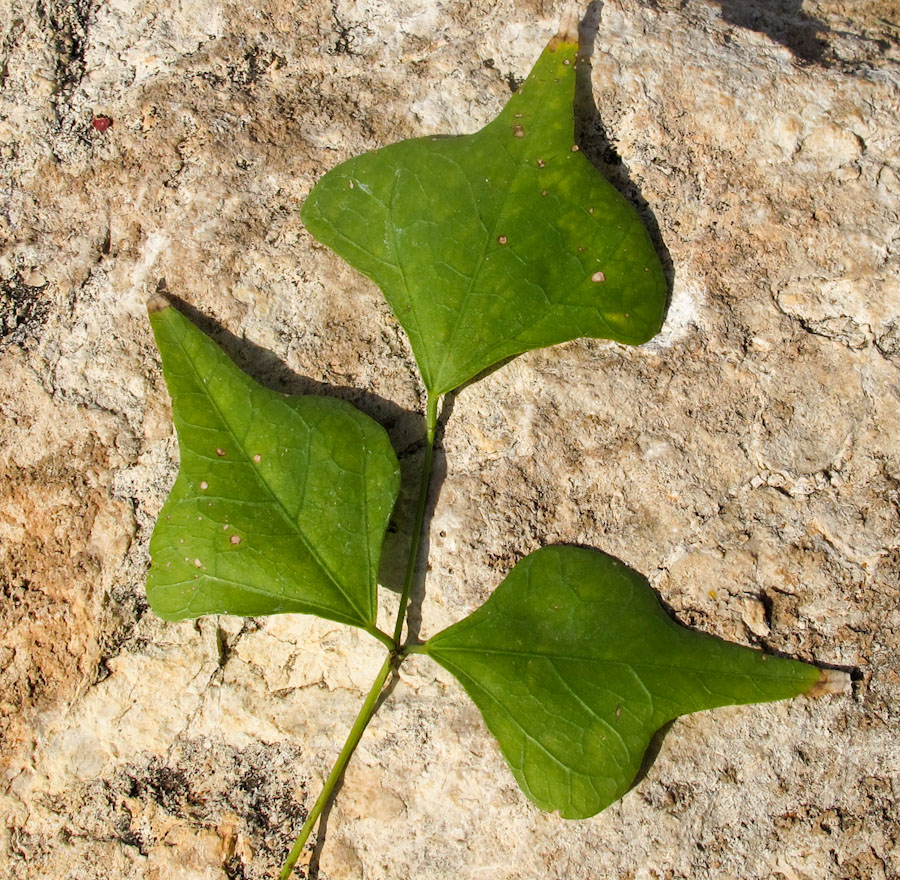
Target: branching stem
393, 644
364, 717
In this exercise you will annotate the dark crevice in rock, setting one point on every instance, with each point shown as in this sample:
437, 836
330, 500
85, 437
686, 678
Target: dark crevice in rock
23, 311
66, 22
10, 38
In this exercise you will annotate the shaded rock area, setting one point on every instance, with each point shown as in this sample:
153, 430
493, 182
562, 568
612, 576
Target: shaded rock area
747, 460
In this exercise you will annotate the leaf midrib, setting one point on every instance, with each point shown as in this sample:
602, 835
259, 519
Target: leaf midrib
517, 170
395, 246
544, 655
261, 479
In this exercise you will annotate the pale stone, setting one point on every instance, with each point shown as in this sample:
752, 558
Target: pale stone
832, 146
747, 460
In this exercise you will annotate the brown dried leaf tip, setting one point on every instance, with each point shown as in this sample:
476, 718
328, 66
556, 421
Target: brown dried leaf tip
158, 302
568, 25
831, 681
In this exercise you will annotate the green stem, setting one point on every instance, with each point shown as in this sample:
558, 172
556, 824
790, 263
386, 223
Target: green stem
424, 482
394, 659
364, 717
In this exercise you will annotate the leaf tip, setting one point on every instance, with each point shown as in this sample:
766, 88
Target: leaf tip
830, 681
568, 25
158, 302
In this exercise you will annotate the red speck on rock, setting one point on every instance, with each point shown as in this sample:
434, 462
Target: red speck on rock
101, 123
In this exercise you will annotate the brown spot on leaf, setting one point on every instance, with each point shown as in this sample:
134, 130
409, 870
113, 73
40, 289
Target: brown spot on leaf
597, 277
518, 131
235, 539
220, 452
502, 239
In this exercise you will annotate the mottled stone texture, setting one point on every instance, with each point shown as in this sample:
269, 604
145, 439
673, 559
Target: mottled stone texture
748, 460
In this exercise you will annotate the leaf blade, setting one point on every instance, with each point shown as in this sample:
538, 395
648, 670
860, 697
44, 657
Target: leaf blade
280, 504
556, 662
491, 244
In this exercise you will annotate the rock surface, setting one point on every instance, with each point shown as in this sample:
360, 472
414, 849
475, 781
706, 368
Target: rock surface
748, 460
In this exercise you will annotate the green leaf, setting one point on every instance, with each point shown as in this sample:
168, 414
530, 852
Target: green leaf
575, 665
281, 503
495, 243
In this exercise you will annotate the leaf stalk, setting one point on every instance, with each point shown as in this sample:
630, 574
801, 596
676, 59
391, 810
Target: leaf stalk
393, 660
382, 637
421, 504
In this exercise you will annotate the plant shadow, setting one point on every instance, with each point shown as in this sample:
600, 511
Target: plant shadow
783, 21
593, 140
439, 473
271, 372
653, 749
397, 541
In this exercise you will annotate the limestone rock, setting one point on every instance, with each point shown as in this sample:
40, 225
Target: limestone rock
748, 460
